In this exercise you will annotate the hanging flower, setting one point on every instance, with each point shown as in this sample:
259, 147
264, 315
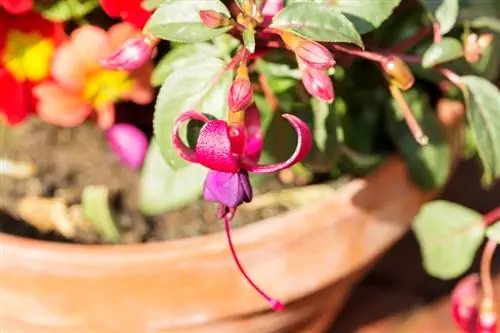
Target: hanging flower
130, 11
27, 45
81, 85
16, 6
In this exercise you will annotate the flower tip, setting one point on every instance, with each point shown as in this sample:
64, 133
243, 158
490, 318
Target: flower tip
318, 84
240, 95
314, 55
131, 56
276, 305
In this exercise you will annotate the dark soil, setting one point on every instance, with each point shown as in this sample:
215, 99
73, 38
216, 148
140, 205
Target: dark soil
68, 159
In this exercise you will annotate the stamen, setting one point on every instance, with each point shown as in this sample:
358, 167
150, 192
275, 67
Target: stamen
276, 305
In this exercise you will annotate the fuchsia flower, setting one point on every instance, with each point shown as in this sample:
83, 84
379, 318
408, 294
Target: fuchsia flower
128, 143
81, 85
271, 8
230, 151
314, 55
318, 83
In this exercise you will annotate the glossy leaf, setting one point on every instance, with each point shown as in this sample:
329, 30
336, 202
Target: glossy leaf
163, 189
317, 21
65, 10
449, 236
366, 15
181, 56
483, 112
179, 20
95, 204
443, 12
193, 87
438, 53
429, 165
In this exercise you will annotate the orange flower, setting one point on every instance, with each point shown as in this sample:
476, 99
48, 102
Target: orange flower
81, 85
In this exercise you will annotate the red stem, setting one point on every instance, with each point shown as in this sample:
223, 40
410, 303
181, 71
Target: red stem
359, 53
436, 28
492, 216
275, 304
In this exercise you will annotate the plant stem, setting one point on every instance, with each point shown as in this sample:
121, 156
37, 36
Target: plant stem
410, 41
413, 125
486, 282
437, 36
492, 217
359, 53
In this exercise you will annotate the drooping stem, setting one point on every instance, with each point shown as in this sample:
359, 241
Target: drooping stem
413, 124
486, 282
359, 53
275, 304
492, 217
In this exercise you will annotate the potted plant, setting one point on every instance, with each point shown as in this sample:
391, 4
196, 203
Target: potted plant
137, 250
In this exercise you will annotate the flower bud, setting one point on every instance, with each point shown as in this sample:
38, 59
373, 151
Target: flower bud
128, 143
314, 55
240, 94
474, 46
464, 303
397, 72
213, 19
132, 55
318, 84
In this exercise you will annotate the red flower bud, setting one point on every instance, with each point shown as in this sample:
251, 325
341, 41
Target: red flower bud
314, 55
397, 72
464, 303
318, 84
240, 95
132, 55
212, 19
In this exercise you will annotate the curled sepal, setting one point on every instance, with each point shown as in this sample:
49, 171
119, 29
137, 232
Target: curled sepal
304, 143
213, 148
184, 151
228, 188
464, 303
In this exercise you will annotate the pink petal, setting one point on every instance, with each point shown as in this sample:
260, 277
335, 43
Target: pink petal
89, 44
67, 68
304, 143
213, 148
255, 140
59, 106
184, 151
464, 302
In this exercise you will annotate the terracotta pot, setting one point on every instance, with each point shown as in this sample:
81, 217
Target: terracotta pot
309, 258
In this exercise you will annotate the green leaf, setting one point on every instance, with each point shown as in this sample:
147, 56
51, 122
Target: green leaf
366, 15
359, 164
152, 4
429, 165
65, 10
443, 12
486, 22
179, 20
317, 21
163, 189
249, 39
95, 203
438, 53
493, 232
483, 113
189, 88
449, 236
182, 56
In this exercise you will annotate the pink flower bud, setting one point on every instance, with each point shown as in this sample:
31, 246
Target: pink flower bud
128, 143
240, 95
318, 84
314, 55
464, 303
132, 55
212, 19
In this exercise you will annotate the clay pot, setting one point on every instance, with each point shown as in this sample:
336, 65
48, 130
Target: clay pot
309, 258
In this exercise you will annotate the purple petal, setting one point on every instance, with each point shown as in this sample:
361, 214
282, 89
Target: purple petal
304, 143
128, 143
184, 151
255, 140
228, 188
213, 148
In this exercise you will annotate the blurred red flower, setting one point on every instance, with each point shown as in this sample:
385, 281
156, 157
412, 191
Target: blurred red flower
27, 44
17, 6
130, 11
